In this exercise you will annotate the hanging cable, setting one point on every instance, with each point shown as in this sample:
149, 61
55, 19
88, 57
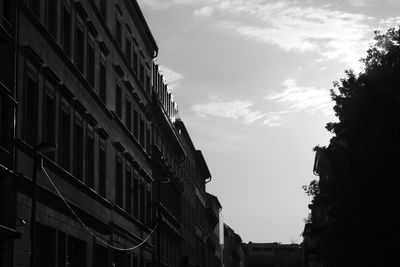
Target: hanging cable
88, 229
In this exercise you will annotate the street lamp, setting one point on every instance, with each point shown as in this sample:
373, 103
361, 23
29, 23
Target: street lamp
37, 159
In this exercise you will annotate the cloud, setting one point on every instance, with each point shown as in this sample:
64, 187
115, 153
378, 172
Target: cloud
301, 26
331, 33
236, 109
296, 98
171, 77
360, 3
204, 11
391, 22
395, 3
273, 120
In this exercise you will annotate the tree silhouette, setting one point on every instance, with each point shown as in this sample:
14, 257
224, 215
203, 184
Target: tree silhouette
362, 163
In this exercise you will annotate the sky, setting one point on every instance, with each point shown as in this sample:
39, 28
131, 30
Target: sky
252, 81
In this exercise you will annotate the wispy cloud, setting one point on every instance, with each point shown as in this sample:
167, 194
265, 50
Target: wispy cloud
236, 109
292, 25
360, 3
273, 120
171, 77
204, 11
295, 98
391, 22
331, 33
395, 3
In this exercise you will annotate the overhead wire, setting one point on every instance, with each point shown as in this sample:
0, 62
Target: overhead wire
88, 229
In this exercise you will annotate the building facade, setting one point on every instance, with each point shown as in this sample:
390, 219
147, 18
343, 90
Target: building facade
233, 253
214, 256
96, 168
273, 255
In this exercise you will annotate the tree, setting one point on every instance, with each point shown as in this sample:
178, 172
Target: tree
363, 159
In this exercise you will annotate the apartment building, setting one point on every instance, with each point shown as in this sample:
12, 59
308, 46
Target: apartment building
195, 174
233, 253
83, 82
96, 168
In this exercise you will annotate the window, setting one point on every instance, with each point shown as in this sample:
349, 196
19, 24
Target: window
58, 247
128, 188
118, 101
49, 111
90, 60
103, 78
66, 33
118, 182
101, 256
135, 123
141, 73
141, 132
128, 50
46, 245
34, 5
120, 259
89, 158
148, 143
118, 31
102, 167
7, 9
5, 123
148, 85
31, 110
128, 114
61, 248
148, 204
78, 150
142, 203
51, 17
79, 44
135, 261
64, 143
103, 9
135, 61
136, 196
76, 252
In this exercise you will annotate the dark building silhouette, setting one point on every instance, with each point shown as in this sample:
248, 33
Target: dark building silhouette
273, 255
214, 255
318, 218
125, 173
233, 253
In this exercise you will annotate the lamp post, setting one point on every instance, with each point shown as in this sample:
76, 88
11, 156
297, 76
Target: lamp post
37, 159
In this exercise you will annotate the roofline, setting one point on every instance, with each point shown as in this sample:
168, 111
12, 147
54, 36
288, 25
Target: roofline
203, 164
143, 27
216, 198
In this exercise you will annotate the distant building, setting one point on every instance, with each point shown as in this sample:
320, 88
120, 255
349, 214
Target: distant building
273, 255
214, 256
233, 253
